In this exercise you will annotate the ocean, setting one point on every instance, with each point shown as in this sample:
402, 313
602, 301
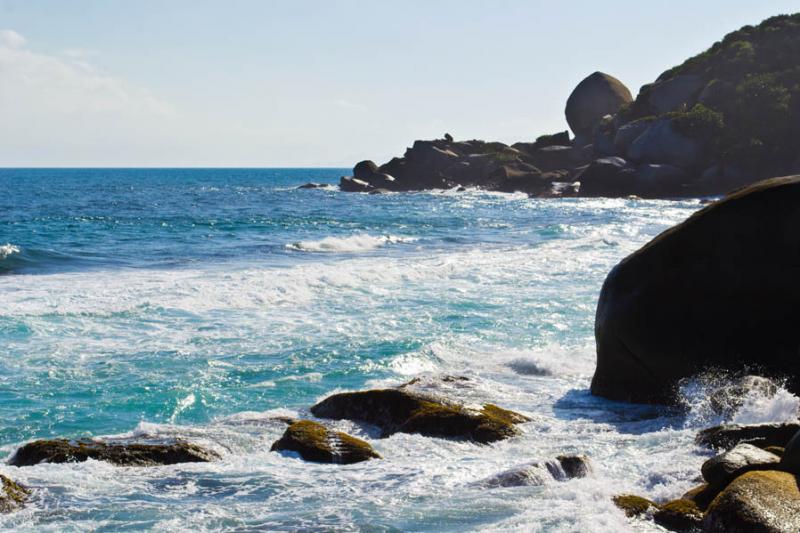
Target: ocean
204, 303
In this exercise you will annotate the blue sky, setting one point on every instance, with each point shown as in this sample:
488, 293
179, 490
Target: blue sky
318, 83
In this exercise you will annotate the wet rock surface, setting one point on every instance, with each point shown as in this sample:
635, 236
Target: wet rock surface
12, 495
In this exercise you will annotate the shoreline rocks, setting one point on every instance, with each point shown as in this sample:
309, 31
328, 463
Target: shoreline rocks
314, 442
403, 411
762, 435
562, 468
119, 454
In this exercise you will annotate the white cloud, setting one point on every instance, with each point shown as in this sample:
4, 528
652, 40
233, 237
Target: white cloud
11, 39
37, 83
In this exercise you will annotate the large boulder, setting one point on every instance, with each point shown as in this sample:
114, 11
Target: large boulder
315, 442
720, 290
120, 454
661, 143
364, 170
404, 411
722, 468
12, 495
596, 96
756, 502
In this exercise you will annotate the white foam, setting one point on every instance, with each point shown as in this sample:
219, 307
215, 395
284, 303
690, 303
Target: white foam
7, 250
351, 244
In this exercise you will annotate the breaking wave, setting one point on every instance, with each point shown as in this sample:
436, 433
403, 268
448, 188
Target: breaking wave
354, 243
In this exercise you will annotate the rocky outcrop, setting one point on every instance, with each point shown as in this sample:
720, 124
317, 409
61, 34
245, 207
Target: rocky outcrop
790, 457
12, 495
596, 96
315, 442
763, 501
120, 454
683, 303
404, 411
721, 469
562, 468
761, 435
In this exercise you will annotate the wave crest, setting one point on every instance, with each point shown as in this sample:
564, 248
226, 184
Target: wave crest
7, 250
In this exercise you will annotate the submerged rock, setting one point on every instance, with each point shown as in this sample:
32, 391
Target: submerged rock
120, 454
562, 468
684, 302
721, 469
761, 435
315, 442
12, 495
403, 411
762, 501
313, 185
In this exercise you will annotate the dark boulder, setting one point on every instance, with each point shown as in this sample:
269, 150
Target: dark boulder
120, 454
396, 410
364, 170
315, 442
685, 302
12, 495
756, 502
721, 469
313, 186
702, 495
761, 435
594, 97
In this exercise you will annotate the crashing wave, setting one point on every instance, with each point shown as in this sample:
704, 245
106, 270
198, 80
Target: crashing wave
7, 250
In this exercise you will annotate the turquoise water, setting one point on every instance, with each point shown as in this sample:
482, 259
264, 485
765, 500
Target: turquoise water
203, 303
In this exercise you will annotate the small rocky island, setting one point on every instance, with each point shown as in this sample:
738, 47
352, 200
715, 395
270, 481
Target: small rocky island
723, 119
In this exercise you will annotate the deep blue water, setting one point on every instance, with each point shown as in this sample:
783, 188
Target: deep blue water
201, 303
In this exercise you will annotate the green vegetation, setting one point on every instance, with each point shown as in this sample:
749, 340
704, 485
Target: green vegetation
750, 110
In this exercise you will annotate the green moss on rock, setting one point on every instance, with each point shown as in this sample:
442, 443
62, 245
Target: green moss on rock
403, 411
701, 495
315, 442
12, 495
634, 505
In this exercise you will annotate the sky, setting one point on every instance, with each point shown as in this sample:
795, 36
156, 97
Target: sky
299, 83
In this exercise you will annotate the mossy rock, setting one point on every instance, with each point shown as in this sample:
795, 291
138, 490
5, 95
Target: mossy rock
12, 495
403, 411
759, 501
702, 495
120, 454
633, 505
315, 442
679, 515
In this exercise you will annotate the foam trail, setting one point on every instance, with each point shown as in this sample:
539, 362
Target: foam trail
354, 243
